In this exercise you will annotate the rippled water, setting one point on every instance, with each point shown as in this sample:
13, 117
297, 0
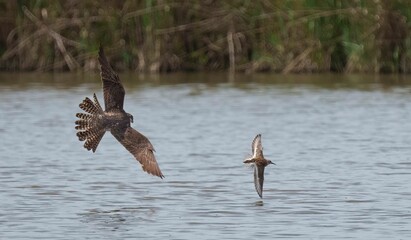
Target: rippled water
342, 146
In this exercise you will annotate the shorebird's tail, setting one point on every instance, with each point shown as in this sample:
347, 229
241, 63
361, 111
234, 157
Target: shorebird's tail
88, 126
249, 160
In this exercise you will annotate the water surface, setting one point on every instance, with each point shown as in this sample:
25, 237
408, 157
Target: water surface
342, 146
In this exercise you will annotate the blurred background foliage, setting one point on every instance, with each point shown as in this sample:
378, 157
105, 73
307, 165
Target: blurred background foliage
190, 35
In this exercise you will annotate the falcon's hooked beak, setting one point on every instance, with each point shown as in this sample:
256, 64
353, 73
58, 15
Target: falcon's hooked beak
131, 117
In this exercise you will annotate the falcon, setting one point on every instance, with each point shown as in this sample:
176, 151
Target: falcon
93, 124
259, 164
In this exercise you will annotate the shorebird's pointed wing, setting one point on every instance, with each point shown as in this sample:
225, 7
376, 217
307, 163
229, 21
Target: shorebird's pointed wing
141, 148
112, 87
259, 179
256, 147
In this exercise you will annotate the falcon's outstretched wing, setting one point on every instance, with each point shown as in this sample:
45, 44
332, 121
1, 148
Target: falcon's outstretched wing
112, 87
141, 148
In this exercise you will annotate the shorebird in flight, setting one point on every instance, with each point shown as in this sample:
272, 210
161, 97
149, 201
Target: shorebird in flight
93, 124
259, 164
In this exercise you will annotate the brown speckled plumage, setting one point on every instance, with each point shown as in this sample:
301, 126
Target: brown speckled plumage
259, 164
93, 124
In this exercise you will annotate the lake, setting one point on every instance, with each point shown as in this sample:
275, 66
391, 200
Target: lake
341, 144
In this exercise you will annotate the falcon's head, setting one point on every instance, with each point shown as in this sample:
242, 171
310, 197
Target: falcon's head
131, 117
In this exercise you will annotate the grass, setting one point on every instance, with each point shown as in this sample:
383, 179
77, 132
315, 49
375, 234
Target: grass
193, 35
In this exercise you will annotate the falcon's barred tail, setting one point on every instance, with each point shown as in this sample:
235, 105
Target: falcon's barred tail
91, 107
88, 128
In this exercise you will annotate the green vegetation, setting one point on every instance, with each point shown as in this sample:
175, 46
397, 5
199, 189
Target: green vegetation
190, 35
